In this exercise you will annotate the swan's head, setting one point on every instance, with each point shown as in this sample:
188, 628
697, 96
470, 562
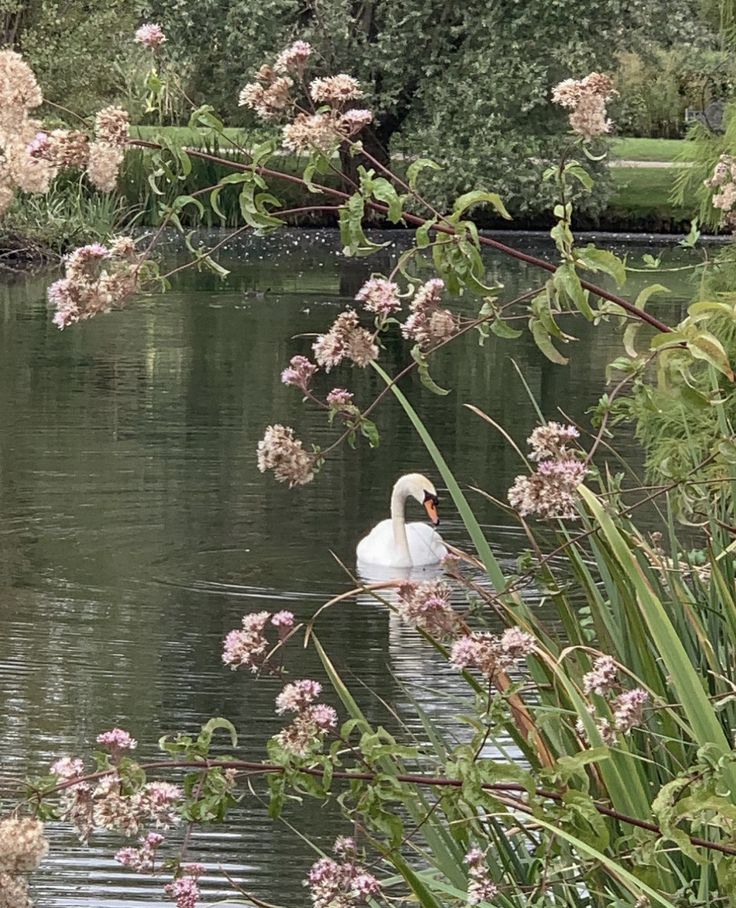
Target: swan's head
421, 488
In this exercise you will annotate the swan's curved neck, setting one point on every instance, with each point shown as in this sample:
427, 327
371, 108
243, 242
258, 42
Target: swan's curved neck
398, 500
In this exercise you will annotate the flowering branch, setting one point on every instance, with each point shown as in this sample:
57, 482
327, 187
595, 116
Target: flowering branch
253, 768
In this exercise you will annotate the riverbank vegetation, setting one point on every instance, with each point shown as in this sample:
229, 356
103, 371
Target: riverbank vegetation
598, 767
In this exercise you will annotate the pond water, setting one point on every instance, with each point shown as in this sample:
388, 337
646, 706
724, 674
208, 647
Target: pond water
136, 529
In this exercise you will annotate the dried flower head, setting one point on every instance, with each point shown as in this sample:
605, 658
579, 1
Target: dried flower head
552, 440
22, 845
14, 892
112, 125
335, 89
150, 35
279, 451
723, 184
269, 100
549, 493
297, 696
586, 100
103, 165
19, 90
352, 121
312, 132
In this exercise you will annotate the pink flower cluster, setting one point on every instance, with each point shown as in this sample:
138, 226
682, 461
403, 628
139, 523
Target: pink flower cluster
491, 653
117, 741
428, 323
105, 806
481, 887
340, 399
345, 340
67, 768
312, 720
627, 707
380, 296
97, 279
248, 646
299, 373
270, 96
343, 883
586, 100
184, 891
150, 35
723, 183
281, 452
551, 491
427, 606
142, 859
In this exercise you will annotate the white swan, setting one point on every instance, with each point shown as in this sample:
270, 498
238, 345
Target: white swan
394, 543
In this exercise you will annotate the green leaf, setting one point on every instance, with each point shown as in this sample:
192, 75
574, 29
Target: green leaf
382, 190
602, 260
479, 197
423, 368
503, 329
369, 430
575, 169
567, 283
706, 346
423, 237
544, 342
424, 895
416, 167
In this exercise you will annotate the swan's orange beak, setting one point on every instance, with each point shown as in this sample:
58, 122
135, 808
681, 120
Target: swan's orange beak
430, 505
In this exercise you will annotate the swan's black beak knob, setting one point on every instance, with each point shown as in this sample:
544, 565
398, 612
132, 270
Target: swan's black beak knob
430, 505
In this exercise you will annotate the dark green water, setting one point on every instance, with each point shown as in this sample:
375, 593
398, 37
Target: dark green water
136, 529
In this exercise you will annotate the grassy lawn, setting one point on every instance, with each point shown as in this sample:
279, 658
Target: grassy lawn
644, 191
625, 149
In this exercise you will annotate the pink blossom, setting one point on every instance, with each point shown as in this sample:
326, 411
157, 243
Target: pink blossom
628, 709
299, 372
293, 58
603, 676
150, 35
67, 768
185, 890
339, 398
117, 740
380, 296
344, 846
323, 716
39, 145
481, 887
551, 440
297, 696
427, 606
283, 620
248, 646
517, 643
194, 870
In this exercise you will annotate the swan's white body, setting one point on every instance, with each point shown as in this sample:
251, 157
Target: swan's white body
395, 544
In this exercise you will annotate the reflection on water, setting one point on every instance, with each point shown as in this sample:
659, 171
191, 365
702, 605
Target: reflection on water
136, 529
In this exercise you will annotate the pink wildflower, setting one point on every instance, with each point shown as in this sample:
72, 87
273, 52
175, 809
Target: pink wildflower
551, 441
517, 643
293, 58
550, 492
283, 620
345, 340
481, 887
323, 716
279, 451
339, 399
297, 696
428, 324
628, 709
602, 678
247, 646
299, 373
352, 121
340, 884
335, 89
427, 606
380, 296
67, 768
185, 890
478, 650
117, 741
150, 35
